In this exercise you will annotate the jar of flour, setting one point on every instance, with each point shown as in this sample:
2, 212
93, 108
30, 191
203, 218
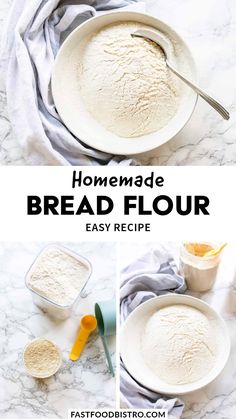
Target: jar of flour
199, 270
56, 280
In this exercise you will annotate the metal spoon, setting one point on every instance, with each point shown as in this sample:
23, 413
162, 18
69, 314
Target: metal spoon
165, 46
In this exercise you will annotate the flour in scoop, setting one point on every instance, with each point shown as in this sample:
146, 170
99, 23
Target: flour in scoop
124, 82
58, 276
179, 344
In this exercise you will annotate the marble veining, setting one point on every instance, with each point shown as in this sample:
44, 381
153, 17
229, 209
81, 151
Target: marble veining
84, 384
218, 399
209, 27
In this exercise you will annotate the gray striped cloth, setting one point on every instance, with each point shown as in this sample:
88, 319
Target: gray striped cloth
33, 34
152, 274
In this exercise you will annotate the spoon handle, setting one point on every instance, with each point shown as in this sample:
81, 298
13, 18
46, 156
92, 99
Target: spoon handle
79, 344
214, 103
108, 356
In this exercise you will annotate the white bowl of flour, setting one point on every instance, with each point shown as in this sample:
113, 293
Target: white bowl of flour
42, 358
174, 344
115, 92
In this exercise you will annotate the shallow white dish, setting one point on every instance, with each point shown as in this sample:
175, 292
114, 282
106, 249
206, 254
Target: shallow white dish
70, 105
130, 344
46, 375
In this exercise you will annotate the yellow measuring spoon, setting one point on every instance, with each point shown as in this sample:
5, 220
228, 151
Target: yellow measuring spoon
87, 325
215, 252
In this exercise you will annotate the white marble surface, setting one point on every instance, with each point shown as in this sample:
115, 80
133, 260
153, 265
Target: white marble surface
218, 399
209, 27
84, 384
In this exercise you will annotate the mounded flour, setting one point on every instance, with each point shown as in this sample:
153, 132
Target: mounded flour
179, 344
58, 276
41, 357
124, 82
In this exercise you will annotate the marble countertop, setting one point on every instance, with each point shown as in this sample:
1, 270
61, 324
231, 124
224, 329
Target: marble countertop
84, 384
218, 399
209, 28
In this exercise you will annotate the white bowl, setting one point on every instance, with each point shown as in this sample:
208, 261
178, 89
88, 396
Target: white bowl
46, 374
132, 331
70, 105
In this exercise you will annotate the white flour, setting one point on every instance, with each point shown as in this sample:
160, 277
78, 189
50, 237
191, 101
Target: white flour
125, 83
179, 344
42, 357
58, 276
